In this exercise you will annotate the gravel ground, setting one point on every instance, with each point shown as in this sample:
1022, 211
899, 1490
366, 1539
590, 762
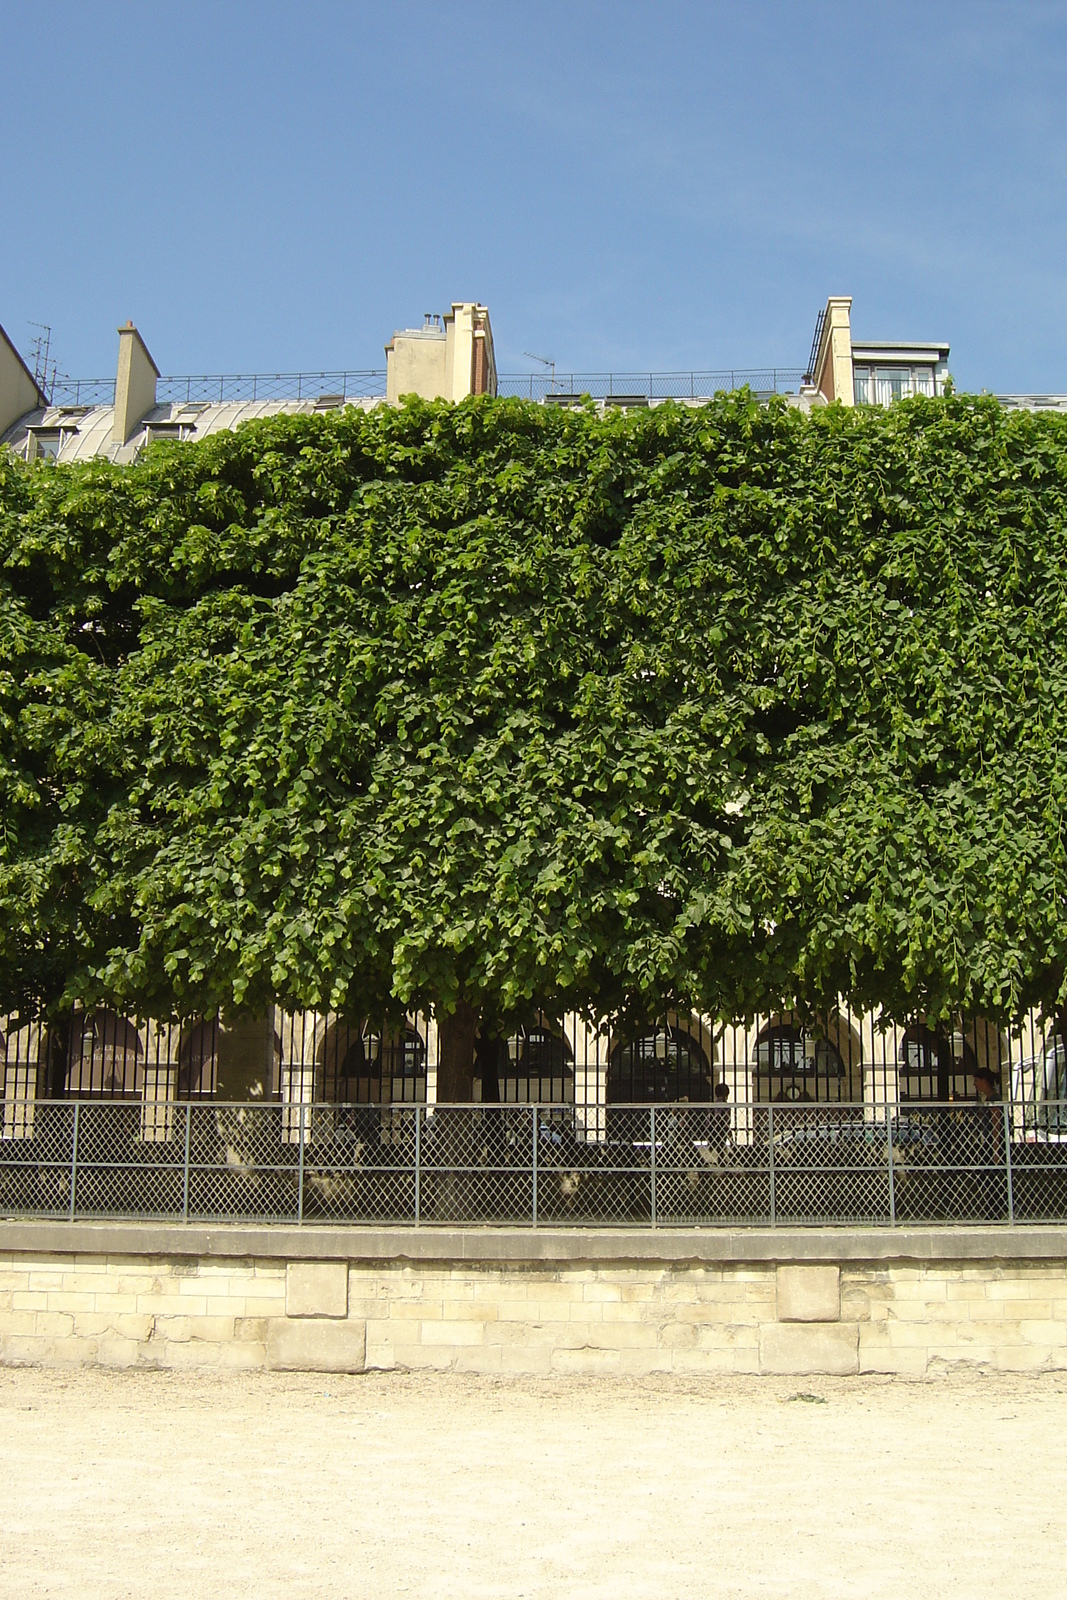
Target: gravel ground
175, 1485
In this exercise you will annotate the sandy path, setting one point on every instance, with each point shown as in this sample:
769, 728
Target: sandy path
164, 1485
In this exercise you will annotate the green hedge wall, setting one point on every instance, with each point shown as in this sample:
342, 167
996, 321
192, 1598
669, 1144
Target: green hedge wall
500, 702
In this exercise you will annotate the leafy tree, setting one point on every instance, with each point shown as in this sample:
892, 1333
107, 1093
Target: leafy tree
467, 708
64, 625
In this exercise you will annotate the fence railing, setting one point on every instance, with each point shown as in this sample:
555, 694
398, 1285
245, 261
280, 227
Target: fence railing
621, 388
231, 388
664, 1165
637, 388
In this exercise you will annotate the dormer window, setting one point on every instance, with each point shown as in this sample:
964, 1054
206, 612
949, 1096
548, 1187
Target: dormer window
880, 386
45, 444
45, 441
883, 372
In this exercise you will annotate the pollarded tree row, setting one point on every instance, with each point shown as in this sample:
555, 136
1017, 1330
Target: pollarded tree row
464, 708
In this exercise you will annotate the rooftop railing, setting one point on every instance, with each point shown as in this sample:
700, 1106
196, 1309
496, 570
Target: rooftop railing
561, 388
227, 388
82, 392
629, 388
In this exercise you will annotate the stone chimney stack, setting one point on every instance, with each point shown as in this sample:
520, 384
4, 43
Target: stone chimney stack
448, 358
833, 363
135, 385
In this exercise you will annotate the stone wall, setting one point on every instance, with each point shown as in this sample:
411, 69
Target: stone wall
830, 1301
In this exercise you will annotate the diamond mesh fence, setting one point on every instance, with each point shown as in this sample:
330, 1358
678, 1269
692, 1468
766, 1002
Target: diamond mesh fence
528, 1165
680, 1121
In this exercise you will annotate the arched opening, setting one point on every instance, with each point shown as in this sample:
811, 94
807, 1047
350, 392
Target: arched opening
106, 1056
198, 1060
534, 1065
362, 1067
794, 1063
936, 1064
667, 1063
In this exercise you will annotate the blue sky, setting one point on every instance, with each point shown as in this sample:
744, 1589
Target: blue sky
269, 187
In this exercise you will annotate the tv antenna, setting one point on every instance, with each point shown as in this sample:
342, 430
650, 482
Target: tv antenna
546, 361
44, 368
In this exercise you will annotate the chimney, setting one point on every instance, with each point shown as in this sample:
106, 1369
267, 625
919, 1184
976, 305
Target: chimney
19, 393
470, 365
445, 359
833, 362
135, 385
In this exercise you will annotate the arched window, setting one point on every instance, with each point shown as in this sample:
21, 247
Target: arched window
534, 1065
363, 1067
106, 1056
791, 1065
667, 1063
198, 1060
402, 1065
935, 1064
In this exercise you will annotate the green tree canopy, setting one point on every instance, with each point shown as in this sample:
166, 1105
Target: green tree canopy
472, 707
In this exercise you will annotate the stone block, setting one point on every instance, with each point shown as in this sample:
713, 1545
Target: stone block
678, 1336
711, 1361
640, 1363
805, 1349
250, 1329
114, 1351
878, 1356
70, 1352
509, 1333
467, 1311
808, 1294
19, 1323
426, 1358
316, 1289
1030, 1358
454, 1333
856, 1305
476, 1358
54, 1324
534, 1361
301, 1345
33, 1300
728, 1336
586, 1363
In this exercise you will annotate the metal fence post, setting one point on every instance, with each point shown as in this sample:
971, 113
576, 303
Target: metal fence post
300, 1174
533, 1108
418, 1162
74, 1160
1007, 1163
889, 1155
652, 1172
185, 1173
770, 1161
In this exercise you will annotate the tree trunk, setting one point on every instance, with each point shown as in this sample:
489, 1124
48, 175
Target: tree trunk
486, 1056
946, 1065
455, 1147
456, 1032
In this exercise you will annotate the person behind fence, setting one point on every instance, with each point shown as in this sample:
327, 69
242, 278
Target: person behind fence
720, 1123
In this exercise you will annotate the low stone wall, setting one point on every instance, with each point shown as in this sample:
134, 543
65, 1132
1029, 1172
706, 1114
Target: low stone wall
567, 1301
